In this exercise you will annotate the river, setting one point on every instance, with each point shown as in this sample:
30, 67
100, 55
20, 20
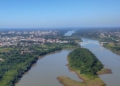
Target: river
50, 66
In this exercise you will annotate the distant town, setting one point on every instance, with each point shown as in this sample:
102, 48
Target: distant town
26, 38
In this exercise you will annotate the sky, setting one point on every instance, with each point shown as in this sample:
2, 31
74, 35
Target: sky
59, 13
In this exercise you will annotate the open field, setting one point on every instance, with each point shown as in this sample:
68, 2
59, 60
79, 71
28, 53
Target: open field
4, 49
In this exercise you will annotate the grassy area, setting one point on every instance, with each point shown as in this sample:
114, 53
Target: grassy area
68, 82
113, 47
62, 45
104, 71
2, 49
69, 45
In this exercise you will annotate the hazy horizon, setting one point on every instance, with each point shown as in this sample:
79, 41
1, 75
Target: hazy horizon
62, 28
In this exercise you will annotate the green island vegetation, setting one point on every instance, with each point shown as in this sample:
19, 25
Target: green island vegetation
87, 66
17, 60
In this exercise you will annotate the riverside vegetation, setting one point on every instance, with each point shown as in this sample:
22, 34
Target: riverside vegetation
86, 65
15, 63
17, 60
114, 47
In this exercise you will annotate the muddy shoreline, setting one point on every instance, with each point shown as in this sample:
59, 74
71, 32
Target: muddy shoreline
75, 73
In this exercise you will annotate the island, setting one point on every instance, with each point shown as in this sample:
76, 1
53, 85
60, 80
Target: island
86, 65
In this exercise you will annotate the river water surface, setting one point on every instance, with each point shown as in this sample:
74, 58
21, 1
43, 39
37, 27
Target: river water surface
49, 67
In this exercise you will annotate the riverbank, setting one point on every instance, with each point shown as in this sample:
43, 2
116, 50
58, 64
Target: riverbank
111, 48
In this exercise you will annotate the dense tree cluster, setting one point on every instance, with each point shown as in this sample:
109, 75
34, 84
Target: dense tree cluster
15, 63
14, 66
85, 61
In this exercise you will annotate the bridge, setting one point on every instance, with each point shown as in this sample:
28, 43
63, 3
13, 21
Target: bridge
98, 43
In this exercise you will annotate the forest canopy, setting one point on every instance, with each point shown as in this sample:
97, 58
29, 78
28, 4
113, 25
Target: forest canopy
85, 61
